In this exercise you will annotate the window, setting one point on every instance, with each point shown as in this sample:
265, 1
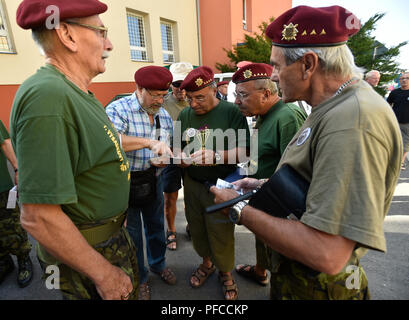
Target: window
5, 39
167, 42
244, 15
137, 37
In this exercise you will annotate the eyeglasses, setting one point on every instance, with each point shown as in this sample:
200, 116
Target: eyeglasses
156, 96
404, 79
102, 30
199, 99
243, 95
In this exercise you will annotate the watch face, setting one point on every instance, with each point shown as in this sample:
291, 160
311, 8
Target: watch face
217, 156
233, 215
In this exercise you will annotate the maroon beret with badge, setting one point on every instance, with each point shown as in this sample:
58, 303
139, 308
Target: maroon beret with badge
153, 78
253, 71
305, 26
32, 14
198, 79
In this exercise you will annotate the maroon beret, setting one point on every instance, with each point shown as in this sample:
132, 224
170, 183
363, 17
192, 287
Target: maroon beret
253, 71
33, 14
153, 77
197, 79
305, 26
220, 83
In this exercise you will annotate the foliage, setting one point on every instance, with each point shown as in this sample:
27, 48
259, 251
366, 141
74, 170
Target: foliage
256, 48
371, 54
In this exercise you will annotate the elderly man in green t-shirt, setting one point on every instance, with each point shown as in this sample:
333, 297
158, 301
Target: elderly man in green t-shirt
202, 124
277, 123
73, 173
13, 239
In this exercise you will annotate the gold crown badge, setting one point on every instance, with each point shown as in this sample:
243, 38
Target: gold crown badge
199, 82
247, 74
290, 32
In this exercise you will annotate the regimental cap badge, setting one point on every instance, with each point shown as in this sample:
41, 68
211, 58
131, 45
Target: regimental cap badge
290, 32
199, 82
247, 74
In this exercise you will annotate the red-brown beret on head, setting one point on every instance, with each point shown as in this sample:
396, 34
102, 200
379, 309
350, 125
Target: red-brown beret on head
32, 14
197, 79
253, 71
222, 83
153, 78
305, 26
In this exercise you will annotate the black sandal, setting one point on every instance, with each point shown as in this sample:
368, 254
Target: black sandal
169, 241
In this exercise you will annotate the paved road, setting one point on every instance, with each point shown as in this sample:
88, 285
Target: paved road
388, 273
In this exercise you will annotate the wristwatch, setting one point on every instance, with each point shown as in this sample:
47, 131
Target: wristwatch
235, 212
217, 157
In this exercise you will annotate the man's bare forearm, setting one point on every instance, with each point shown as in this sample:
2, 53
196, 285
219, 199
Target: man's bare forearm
8, 151
51, 227
319, 250
134, 143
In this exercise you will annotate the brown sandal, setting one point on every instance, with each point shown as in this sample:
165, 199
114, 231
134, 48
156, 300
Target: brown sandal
248, 271
223, 278
202, 277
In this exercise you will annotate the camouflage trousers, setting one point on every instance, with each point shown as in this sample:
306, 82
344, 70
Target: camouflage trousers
294, 281
13, 238
119, 250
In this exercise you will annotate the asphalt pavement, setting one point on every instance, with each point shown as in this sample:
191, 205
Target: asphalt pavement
388, 273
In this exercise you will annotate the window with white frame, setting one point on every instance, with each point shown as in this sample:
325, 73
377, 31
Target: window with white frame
168, 47
137, 37
5, 39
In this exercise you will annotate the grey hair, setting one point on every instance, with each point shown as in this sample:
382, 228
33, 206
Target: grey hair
372, 72
42, 38
266, 84
337, 60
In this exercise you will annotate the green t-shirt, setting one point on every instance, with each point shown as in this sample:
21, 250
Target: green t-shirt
349, 148
5, 180
228, 130
275, 129
67, 149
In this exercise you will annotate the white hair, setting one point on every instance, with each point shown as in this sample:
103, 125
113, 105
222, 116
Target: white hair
337, 60
266, 84
372, 73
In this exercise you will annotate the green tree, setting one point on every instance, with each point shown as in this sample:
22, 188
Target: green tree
256, 48
368, 52
371, 54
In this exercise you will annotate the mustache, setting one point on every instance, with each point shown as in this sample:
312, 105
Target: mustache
105, 55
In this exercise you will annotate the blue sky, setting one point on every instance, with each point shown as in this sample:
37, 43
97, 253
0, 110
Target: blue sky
391, 30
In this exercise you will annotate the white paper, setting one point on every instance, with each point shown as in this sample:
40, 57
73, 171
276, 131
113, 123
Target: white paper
12, 200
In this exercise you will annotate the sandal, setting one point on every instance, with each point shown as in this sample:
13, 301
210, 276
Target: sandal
170, 240
202, 277
166, 275
144, 292
223, 278
250, 273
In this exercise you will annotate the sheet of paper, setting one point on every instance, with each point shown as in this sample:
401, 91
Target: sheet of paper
12, 200
221, 184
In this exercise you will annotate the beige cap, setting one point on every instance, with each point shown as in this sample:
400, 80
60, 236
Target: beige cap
180, 70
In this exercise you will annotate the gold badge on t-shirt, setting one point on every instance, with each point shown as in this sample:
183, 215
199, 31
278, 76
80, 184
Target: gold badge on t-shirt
303, 136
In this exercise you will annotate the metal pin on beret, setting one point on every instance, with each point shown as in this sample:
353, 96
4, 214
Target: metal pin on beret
32, 14
153, 78
198, 79
305, 26
253, 71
